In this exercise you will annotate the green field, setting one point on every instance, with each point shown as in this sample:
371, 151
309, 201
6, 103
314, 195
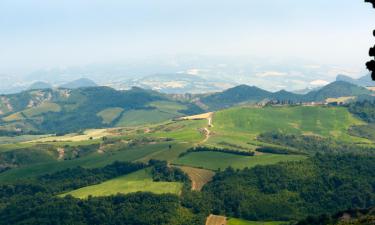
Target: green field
43, 108
95, 160
219, 160
233, 221
110, 114
141, 117
134, 182
170, 107
22, 138
242, 125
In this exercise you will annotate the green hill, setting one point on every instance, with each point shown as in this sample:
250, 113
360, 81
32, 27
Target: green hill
134, 182
66, 110
335, 90
245, 94
233, 96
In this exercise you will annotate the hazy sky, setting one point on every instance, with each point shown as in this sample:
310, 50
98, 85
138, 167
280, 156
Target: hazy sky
50, 33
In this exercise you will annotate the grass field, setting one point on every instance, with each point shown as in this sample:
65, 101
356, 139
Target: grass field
170, 107
110, 114
22, 138
233, 221
242, 124
138, 153
43, 108
198, 177
183, 131
219, 160
13, 117
87, 135
141, 117
140, 181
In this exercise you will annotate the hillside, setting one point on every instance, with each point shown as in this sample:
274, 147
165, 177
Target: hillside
70, 110
234, 96
245, 94
335, 90
245, 159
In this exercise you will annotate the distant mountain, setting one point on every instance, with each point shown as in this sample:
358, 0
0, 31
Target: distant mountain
245, 94
40, 85
335, 90
178, 83
234, 96
286, 96
364, 81
80, 83
306, 90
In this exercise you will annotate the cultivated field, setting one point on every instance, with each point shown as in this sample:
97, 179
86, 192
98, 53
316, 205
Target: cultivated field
233, 221
198, 117
216, 220
219, 160
87, 135
134, 182
198, 177
340, 100
43, 108
110, 114
242, 125
141, 117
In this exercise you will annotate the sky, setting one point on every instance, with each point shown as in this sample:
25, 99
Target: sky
36, 34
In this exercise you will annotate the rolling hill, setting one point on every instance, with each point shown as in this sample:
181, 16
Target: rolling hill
51, 171
246, 94
70, 110
335, 90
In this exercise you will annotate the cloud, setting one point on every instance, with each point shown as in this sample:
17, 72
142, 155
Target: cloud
319, 82
271, 74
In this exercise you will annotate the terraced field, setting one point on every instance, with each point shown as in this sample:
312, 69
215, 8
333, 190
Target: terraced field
134, 182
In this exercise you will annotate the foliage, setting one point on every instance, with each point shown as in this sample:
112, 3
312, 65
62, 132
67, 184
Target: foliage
139, 181
348, 217
286, 191
79, 177
312, 144
133, 209
363, 109
214, 149
161, 171
365, 131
